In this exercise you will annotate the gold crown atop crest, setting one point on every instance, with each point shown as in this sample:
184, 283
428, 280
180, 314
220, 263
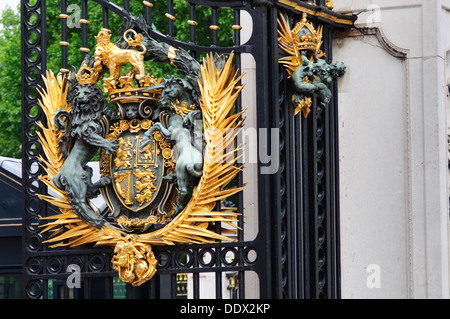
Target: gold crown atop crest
126, 89
103, 36
86, 75
306, 36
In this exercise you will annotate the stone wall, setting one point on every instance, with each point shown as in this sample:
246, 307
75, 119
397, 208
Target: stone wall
393, 149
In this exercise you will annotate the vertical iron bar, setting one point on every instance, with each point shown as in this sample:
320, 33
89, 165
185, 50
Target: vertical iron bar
318, 193
65, 294
195, 277
285, 173
264, 41
218, 285
43, 37
151, 287
289, 172
214, 25
306, 185
90, 287
329, 240
299, 202
170, 16
173, 276
84, 28
32, 239
327, 269
276, 218
291, 162
126, 5
157, 288
218, 230
192, 29
299, 208
335, 182
148, 13
237, 26
86, 288
241, 276
333, 256
64, 34
109, 288
128, 290
173, 285
45, 289
105, 13
192, 24
240, 198
196, 285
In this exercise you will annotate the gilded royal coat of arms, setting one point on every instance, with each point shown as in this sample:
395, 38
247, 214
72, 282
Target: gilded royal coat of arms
164, 146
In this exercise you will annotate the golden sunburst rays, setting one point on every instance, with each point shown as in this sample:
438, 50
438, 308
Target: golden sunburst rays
53, 98
287, 43
220, 89
292, 44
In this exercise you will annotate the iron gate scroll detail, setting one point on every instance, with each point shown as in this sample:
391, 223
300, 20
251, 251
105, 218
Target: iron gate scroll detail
295, 253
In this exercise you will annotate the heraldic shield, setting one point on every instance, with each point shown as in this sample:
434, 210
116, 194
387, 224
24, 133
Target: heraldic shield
140, 196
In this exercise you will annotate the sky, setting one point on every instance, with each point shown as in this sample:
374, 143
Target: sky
12, 3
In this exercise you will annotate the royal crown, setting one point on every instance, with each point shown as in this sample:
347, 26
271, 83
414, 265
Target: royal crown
306, 36
103, 36
86, 75
126, 90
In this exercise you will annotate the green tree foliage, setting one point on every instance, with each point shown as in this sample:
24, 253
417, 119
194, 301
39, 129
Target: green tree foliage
10, 64
10, 94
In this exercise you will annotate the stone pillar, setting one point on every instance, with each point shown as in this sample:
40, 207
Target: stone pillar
393, 149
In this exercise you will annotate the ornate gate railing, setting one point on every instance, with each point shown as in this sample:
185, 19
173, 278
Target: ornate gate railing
296, 251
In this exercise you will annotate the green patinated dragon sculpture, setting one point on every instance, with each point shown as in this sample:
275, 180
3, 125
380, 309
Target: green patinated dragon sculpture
305, 64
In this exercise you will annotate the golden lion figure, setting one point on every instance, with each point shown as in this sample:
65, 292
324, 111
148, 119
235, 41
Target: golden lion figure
113, 57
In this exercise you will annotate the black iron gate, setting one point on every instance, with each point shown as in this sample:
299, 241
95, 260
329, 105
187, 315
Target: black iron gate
296, 251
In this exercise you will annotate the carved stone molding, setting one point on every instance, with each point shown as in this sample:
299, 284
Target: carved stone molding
377, 31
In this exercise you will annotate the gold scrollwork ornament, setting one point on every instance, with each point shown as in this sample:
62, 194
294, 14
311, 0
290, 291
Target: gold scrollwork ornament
134, 261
